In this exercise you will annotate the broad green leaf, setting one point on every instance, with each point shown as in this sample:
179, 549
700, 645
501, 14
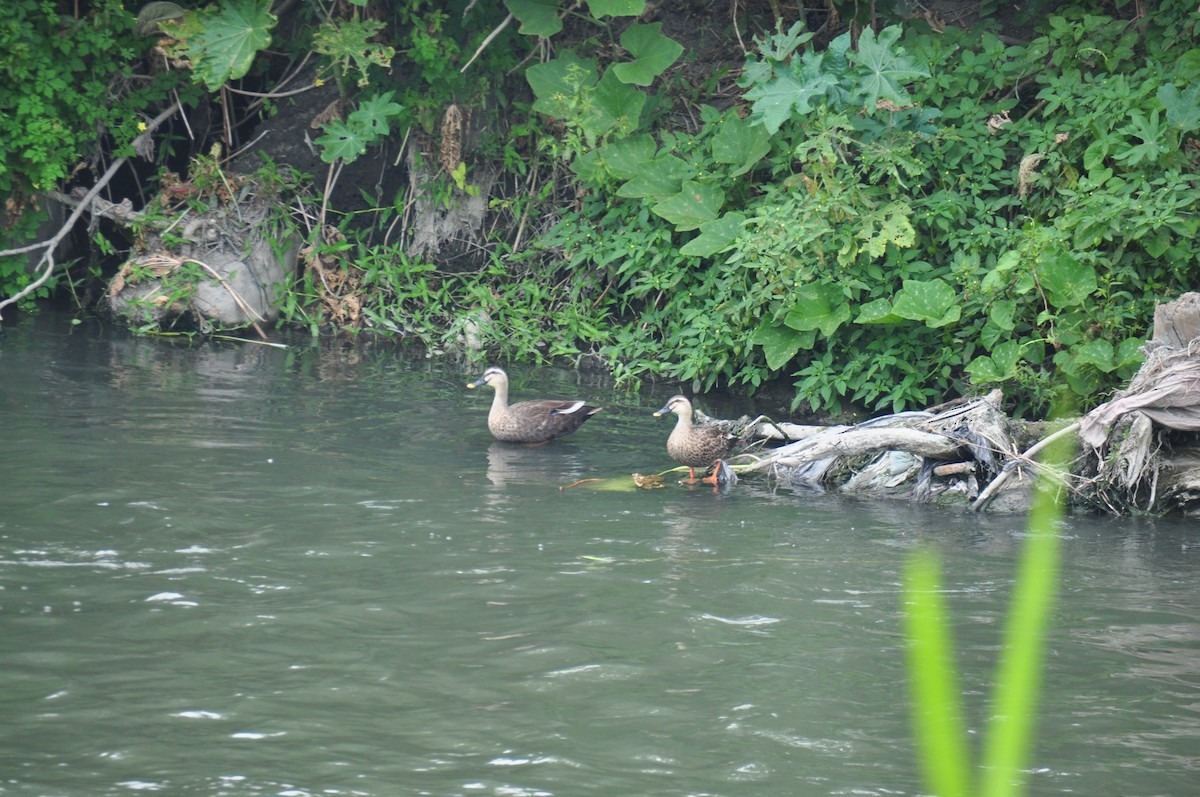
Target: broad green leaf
375, 114
1096, 353
559, 84
776, 101
537, 17
1183, 108
1067, 282
740, 143
818, 306
627, 158
616, 8
341, 140
894, 228
888, 70
695, 204
588, 167
878, 311
1000, 366
222, 43
1000, 324
660, 178
933, 302
714, 236
1001, 313
781, 344
1129, 352
615, 105
653, 53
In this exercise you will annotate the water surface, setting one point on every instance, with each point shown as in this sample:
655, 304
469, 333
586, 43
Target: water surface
233, 570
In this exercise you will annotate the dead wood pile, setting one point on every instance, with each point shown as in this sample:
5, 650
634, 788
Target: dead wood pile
1139, 452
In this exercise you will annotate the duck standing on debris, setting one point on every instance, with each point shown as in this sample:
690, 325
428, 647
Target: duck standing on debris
537, 421
695, 446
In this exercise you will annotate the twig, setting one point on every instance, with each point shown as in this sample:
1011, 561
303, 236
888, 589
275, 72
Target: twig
246, 308
997, 482
46, 263
488, 40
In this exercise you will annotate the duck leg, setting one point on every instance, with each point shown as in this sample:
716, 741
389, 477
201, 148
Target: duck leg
691, 479
712, 479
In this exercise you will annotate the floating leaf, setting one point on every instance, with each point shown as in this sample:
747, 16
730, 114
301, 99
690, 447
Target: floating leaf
653, 53
695, 204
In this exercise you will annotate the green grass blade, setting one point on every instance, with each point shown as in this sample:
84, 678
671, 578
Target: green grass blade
936, 704
1011, 729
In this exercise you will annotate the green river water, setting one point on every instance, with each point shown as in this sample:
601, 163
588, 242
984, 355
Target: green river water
233, 570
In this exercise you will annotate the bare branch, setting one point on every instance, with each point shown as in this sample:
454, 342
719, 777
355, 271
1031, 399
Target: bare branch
46, 263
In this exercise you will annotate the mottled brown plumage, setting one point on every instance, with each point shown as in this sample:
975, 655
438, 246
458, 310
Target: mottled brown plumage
691, 445
536, 421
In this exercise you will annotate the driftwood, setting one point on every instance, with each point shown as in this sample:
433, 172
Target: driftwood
1140, 451
932, 456
1142, 448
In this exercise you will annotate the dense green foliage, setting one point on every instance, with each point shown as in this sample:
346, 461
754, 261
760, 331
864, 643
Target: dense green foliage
883, 220
935, 212
66, 86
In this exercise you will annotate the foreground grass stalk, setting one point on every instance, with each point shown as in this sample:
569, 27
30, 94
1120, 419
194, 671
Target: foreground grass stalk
942, 746
937, 715
1011, 730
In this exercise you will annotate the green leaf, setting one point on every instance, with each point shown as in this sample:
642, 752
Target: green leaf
1129, 352
878, 311
660, 178
934, 302
341, 140
740, 143
695, 204
221, 44
653, 53
1096, 353
537, 17
1067, 282
374, 115
558, 84
786, 93
615, 105
627, 158
616, 8
714, 236
888, 70
781, 344
1183, 108
819, 306
999, 367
